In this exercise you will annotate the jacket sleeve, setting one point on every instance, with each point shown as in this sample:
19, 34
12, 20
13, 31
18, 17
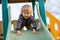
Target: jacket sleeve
19, 22
33, 23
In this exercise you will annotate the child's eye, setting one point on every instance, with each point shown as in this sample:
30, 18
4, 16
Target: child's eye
27, 13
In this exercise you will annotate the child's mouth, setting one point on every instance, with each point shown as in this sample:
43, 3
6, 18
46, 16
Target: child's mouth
26, 17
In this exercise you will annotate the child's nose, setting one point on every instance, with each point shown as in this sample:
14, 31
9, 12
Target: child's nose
26, 14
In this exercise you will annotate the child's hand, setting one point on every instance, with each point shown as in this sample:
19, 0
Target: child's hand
34, 31
19, 32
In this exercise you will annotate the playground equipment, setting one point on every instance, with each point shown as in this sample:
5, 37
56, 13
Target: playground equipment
1, 33
54, 26
44, 34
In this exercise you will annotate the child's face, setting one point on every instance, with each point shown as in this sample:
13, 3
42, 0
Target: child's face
26, 15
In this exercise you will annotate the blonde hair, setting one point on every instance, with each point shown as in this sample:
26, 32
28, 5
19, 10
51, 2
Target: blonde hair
26, 8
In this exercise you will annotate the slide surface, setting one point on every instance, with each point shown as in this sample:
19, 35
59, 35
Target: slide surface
27, 35
43, 33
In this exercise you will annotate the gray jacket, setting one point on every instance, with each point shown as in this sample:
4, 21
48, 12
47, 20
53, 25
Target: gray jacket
25, 22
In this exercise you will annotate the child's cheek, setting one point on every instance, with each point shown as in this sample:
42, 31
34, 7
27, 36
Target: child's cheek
29, 15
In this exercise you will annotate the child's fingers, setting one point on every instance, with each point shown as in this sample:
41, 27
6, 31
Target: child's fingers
35, 32
19, 33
